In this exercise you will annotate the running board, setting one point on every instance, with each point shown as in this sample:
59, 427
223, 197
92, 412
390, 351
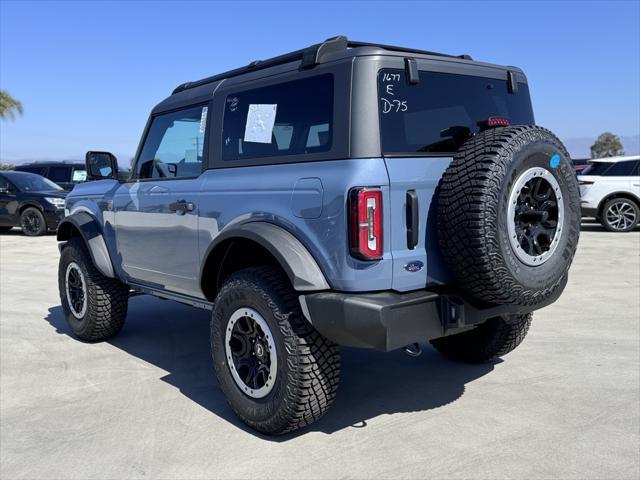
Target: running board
165, 295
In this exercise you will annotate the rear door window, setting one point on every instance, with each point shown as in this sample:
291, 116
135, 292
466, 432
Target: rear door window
36, 170
443, 110
289, 118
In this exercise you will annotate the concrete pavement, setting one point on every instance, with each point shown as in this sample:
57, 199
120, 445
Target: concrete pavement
565, 404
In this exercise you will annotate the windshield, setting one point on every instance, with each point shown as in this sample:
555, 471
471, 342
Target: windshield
441, 111
30, 182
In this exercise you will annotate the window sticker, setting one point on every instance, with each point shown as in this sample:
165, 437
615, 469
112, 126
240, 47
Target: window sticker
260, 121
203, 119
79, 176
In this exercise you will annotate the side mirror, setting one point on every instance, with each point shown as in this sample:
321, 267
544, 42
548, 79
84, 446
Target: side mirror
101, 165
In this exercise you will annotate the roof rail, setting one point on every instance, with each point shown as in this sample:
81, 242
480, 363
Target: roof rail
352, 44
310, 57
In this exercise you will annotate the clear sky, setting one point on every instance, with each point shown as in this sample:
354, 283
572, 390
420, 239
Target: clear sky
88, 73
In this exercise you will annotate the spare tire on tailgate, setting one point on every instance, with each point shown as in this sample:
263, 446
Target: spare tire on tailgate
509, 215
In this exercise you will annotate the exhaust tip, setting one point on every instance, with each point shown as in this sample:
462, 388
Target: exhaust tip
413, 350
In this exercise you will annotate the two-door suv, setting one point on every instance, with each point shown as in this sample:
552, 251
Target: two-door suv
348, 194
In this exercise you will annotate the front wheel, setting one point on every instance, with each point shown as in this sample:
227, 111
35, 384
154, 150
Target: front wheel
492, 339
276, 371
94, 306
620, 215
32, 222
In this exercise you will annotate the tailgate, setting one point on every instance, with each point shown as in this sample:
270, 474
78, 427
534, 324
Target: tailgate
412, 190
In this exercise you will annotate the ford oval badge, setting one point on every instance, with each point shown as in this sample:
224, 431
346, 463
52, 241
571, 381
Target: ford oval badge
414, 266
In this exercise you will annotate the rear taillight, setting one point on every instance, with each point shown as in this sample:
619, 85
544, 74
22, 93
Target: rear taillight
498, 122
365, 223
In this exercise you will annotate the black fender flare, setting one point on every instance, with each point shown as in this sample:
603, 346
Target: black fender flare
91, 233
294, 258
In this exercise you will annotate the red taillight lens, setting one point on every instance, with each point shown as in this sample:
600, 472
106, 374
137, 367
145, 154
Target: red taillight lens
498, 122
365, 223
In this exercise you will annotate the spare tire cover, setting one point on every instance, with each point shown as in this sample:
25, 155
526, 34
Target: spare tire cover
509, 215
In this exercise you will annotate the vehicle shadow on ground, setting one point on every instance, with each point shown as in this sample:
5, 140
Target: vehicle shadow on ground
16, 232
175, 338
593, 225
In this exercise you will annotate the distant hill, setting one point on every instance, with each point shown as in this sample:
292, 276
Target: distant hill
579, 147
123, 160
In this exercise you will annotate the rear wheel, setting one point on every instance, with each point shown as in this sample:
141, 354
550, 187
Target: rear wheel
95, 306
276, 371
32, 222
620, 215
494, 338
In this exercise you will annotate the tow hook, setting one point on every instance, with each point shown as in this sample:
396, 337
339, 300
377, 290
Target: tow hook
413, 350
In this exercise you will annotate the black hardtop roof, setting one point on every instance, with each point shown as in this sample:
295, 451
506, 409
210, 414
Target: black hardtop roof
330, 49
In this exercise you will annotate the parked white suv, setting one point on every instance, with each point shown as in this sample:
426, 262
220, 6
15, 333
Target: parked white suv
610, 192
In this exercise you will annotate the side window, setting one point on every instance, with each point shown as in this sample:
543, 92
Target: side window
636, 169
290, 118
174, 145
620, 169
59, 174
36, 170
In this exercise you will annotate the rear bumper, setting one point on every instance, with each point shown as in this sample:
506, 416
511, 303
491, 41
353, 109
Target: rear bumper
389, 320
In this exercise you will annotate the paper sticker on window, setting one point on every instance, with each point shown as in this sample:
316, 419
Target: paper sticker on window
203, 119
79, 176
260, 121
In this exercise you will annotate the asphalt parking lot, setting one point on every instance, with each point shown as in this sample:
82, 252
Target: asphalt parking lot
565, 404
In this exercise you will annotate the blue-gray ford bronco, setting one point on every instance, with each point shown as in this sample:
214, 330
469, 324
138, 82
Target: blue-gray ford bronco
346, 194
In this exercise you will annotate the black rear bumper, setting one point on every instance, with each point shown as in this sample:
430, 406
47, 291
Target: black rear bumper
389, 320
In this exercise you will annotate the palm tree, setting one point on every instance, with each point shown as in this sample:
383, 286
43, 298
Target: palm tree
9, 106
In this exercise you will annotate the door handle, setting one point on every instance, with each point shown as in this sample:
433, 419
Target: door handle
413, 219
181, 206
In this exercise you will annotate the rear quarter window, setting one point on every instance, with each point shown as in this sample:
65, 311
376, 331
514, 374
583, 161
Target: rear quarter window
443, 110
621, 169
289, 118
596, 168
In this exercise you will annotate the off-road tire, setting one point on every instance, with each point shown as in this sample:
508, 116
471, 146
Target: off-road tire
492, 339
473, 212
33, 212
604, 218
308, 364
107, 298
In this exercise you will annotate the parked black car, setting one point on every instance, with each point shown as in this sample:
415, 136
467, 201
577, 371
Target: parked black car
30, 201
65, 174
